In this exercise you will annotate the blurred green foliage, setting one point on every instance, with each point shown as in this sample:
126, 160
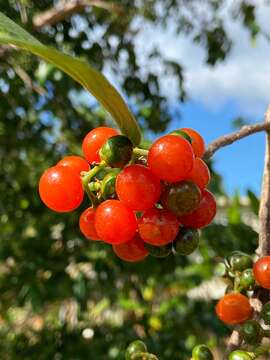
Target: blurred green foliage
63, 297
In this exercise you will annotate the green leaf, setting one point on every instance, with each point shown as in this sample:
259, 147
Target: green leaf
79, 70
254, 202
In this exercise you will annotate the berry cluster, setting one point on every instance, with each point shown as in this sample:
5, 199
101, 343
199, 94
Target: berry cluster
142, 202
234, 308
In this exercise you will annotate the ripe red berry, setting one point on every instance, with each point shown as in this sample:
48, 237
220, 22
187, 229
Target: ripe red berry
200, 173
87, 224
132, 251
262, 271
94, 140
197, 143
77, 163
158, 227
60, 188
234, 308
115, 223
171, 158
203, 214
138, 187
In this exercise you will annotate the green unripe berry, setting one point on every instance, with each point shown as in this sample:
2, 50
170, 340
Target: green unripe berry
247, 279
108, 184
136, 346
265, 314
241, 355
181, 198
251, 332
183, 134
240, 261
186, 241
117, 151
159, 251
202, 352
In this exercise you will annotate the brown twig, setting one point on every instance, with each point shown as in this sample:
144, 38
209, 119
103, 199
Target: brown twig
64, 9
264, 211
235, 136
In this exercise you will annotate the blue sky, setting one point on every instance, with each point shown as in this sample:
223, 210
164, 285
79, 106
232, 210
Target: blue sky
240, 86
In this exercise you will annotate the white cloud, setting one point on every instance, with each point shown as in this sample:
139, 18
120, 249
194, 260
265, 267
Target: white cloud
244, 78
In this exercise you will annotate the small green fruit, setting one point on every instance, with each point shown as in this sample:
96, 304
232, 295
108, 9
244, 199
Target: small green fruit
251, 332
117, 151
247, 279
181, 198
240, 261
159, 251
202, 352
136, 346
241, 355
183, 134
108, 184
265, 314
186, 241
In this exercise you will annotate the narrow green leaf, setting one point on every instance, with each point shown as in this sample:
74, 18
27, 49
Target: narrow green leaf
79, 70
254, 202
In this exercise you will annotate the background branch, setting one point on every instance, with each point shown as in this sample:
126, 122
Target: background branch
235, 136
264, 212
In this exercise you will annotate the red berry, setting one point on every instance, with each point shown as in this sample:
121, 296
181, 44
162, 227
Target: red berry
115, 223
234, 308
87, 224
77, 163
158, 227
60, 188
94, 140
197, 144
262, 271
132, 251
171, 158
200, 173
138, 187
203, 214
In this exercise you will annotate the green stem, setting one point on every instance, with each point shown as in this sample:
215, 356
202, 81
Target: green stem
261, 350
86, 182
94, 186
140, 152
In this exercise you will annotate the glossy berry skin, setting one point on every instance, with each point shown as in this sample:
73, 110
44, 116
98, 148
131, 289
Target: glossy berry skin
200, 173
137, 346
131, 251
240, 261
262, 272
240, 355
158, 227
181, 198
94, 140
138, 187
171, 158
203, 214
60, 189
159, 251
197, 143
251, 332
247, 279
115, 223
186, 241
87, 224
77, 163
116, 151
233, 309
202, 352
265, 313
